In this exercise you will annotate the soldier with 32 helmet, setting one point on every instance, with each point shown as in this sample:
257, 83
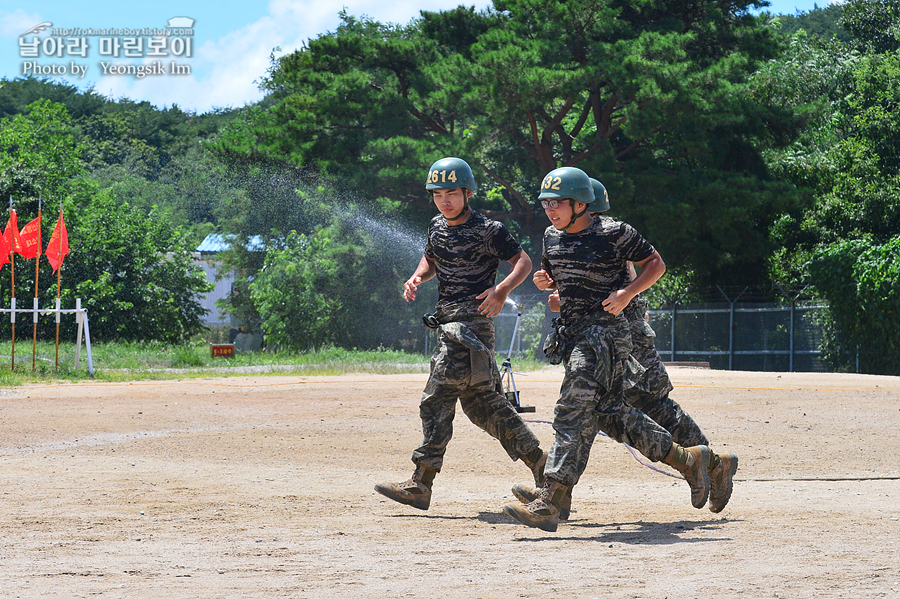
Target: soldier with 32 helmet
585, 258
463, 251
651, 393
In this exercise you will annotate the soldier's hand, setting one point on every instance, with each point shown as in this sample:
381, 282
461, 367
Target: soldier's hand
410, 287
542, 280
493, 302
617, 301
553, 301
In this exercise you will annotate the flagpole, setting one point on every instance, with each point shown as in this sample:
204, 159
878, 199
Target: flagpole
58, 281
12, 267
37, 263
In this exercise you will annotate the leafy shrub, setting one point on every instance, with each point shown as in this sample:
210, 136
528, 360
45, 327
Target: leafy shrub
862, 284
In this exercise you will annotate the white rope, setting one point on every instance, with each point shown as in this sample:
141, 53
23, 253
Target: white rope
634, 453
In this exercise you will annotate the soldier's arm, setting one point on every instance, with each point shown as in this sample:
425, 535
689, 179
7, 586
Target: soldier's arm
495, 297
652, 269
425, 271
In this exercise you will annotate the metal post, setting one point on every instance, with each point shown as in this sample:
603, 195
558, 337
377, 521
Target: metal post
731, 325
87, 341
674, 309
791, 360
731, 338
515, 330
79, 319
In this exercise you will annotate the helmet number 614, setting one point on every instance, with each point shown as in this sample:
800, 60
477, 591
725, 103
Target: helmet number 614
442, 176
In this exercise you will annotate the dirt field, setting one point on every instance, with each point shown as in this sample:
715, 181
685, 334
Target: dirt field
263, 488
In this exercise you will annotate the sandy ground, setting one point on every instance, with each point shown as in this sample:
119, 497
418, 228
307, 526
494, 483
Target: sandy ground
263, 488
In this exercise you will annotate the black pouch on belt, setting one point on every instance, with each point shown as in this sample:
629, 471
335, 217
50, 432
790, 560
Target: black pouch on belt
551, 347
431, 321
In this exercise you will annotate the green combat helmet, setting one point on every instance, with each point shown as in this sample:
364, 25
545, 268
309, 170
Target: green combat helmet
568, 183
600, 196
448, 173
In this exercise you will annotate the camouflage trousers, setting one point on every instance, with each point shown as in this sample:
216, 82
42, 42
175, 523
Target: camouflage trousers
463, 367
592, 399
651, 394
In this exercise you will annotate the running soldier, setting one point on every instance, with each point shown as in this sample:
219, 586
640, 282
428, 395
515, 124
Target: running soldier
651, 396
585, 259
464, 250
651, 393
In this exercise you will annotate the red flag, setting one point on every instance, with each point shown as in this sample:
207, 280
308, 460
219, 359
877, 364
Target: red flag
58, 246
12, 234
4, 251
30, 237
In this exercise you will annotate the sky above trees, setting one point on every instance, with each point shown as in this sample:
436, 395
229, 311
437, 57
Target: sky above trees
231, 45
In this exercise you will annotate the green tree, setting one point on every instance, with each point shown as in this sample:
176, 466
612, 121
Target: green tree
821, 21
648, 97
811, 78
848, 164
17, 94
291, 291
874, 24
133, 272
337, 286
862, 284
138, 197
847, 159
39, 156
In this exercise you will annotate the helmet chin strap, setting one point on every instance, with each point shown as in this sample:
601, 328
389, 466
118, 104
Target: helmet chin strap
456, 218
575, 215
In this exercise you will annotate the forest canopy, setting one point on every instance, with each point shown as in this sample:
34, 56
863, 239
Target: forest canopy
749, 148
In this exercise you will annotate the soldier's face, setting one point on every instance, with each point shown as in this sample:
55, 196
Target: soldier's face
450, 201
562, 214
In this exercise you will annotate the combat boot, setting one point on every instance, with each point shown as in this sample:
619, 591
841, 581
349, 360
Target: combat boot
721, 480
692, 463
536, 460
543, 512
527, 495
415, 492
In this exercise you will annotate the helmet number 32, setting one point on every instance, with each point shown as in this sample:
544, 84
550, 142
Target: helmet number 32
437, 176
550, 182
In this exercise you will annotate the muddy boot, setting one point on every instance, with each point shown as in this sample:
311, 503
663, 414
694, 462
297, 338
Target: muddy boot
527, 495
543, 512
692, 463
721, 480
415, 492
536, 460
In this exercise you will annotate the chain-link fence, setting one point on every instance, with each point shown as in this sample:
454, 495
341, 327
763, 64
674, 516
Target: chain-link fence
742, 336
750, 328
742, 333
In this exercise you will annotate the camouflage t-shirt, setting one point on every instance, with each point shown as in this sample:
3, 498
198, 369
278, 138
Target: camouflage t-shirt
589, 265
466, 257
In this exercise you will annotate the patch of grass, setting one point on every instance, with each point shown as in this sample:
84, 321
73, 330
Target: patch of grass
187, 356
123, 361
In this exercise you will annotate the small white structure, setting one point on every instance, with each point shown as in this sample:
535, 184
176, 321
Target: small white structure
205, 258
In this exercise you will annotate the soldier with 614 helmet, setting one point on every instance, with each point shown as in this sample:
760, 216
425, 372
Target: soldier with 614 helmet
463, 251
585, 259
